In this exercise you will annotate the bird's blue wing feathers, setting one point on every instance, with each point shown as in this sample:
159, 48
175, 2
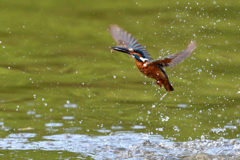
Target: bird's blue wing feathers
174, 59
126, 40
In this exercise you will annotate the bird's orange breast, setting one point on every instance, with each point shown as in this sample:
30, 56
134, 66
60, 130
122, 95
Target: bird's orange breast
151, 71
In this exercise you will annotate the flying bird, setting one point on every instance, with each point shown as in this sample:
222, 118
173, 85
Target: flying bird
126, 43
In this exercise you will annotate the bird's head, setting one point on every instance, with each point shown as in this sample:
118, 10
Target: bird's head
135, 53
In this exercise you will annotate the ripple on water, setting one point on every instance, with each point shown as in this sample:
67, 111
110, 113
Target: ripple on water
72, 129
182, 105
22, 135
70, 105
30, 112
217, 130
116, 127
138, 127
38, 115
25, 129
68, 117
53, 124
3, 128
103, 130
230, 127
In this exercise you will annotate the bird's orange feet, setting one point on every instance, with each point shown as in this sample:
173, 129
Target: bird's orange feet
159, 83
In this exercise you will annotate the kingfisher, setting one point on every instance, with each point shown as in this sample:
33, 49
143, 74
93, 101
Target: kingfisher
126, 43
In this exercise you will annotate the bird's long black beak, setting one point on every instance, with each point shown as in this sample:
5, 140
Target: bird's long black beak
121, 49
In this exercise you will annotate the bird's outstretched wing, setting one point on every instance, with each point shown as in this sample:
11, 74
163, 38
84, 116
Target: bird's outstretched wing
174, 59
126, 40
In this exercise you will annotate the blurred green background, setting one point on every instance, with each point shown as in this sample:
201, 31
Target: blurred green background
57, 53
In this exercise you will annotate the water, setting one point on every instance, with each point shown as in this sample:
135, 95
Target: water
125, 145
65, 95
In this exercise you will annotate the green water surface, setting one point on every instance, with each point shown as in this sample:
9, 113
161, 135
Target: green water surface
57, 53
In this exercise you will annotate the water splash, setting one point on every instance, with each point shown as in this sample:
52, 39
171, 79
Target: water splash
163, 96
125, 145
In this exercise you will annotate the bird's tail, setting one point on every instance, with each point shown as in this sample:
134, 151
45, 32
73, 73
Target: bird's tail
171, 88
168, 87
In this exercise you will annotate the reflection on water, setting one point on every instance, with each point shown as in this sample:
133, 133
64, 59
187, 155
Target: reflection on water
125, 145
